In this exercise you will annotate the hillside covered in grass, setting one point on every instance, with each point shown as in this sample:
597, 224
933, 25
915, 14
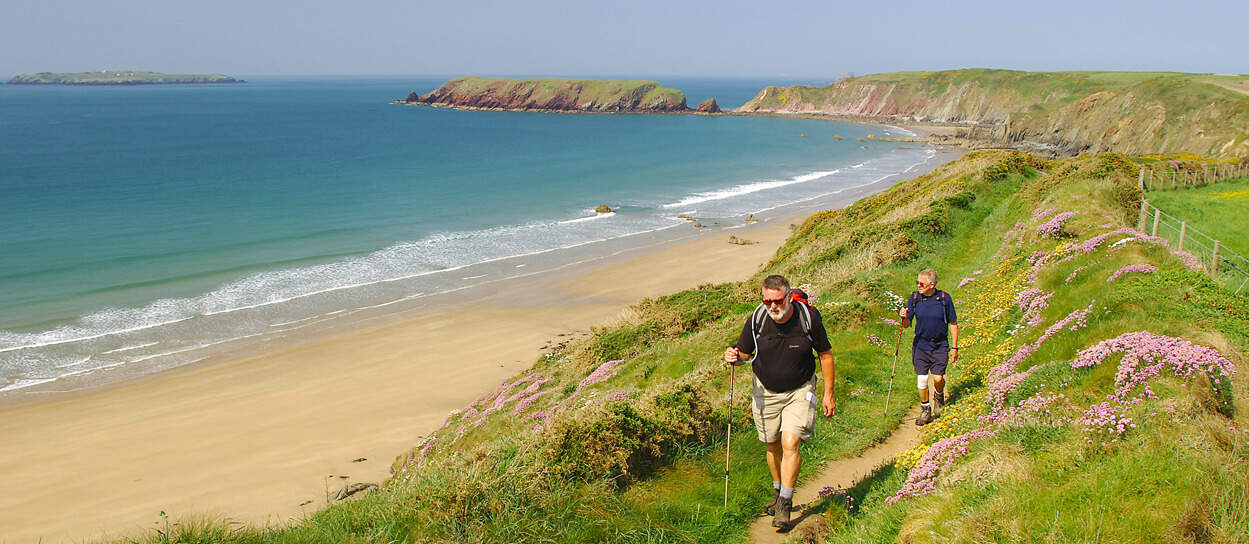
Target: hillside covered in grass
115, 77
1070, 112
554, 94
1100, 398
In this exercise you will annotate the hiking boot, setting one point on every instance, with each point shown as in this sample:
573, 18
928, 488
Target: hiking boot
781, 517
771, 508
925, 416
938, 402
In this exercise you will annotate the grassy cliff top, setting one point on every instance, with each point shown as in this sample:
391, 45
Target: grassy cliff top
556, 94
1042, 83
106, 77
1098, 386
1073, 112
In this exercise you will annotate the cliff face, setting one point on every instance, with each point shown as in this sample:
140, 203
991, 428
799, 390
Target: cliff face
571, 95
1068, 111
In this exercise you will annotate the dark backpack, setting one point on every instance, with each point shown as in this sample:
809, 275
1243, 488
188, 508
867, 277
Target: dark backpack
941, 296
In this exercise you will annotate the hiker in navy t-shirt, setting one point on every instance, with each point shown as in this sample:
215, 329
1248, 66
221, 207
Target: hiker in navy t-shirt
936, 341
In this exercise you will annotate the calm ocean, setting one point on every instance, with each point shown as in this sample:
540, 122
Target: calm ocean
145, 227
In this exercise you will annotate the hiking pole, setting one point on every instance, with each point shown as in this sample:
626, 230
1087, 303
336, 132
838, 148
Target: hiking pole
892, 371
728, 445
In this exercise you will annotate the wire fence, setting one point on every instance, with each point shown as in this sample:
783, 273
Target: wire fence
1227, 267
1182, 177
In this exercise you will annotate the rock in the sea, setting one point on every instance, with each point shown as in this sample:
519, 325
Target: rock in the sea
698, 225
837, 138
350, 490
751, 218
413, 97
709, 106
603, 208
685, 217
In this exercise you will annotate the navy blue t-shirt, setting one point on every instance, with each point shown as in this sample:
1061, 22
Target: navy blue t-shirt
931, 317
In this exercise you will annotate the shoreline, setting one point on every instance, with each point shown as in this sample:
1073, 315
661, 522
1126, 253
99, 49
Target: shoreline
260, 436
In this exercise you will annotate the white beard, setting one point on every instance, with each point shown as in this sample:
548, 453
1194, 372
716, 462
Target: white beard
777, 314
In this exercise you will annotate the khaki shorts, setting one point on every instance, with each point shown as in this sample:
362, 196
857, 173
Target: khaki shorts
792, 411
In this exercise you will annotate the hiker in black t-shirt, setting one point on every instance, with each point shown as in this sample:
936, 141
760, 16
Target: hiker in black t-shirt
936, 329
782, 334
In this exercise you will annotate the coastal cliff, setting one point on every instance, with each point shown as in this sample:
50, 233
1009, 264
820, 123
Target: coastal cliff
118, 78
1063, 112
554, 94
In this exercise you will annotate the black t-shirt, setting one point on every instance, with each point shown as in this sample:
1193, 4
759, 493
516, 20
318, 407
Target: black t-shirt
784, 360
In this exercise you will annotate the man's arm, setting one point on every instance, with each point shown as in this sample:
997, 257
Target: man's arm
954, 342
829, 369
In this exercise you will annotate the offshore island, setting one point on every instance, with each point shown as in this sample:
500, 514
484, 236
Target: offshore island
558, 95
116, 77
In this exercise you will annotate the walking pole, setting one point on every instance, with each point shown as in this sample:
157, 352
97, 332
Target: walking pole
728, 447
896, 349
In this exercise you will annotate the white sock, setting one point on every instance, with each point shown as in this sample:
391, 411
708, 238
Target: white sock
787, 492
776, 486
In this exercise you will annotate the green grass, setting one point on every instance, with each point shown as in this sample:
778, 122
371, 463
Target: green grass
640, 456
1217, 210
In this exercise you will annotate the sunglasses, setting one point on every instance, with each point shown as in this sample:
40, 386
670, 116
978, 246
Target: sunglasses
775, 302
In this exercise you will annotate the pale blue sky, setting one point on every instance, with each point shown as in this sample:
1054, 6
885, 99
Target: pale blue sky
559, 37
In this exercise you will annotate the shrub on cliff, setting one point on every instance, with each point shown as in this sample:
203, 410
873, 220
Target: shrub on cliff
623, 441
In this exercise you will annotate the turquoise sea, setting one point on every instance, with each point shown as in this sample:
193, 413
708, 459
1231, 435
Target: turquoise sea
149, 227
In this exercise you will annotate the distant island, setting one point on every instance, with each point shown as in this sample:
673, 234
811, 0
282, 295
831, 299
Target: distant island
110, 77
559, 95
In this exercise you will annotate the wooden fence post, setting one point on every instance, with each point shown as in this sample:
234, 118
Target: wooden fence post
1141, 180
1214, 267
1140, 221
1157, 215
1183, 230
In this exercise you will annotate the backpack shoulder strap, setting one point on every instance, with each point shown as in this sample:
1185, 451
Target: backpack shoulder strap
804, 317
756, 325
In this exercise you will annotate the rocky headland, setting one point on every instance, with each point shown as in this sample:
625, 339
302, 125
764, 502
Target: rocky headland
1064, 113
554, 95
107, 77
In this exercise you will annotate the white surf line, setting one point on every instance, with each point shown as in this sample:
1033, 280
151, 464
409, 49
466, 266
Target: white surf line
82, 361
23, 383
588, 218
844, 189
94, 336
748, 188
292, 322
129, 348
396, 301
475, 277
193, 348
430, 272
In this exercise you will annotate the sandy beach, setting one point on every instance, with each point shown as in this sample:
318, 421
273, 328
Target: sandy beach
262, 438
